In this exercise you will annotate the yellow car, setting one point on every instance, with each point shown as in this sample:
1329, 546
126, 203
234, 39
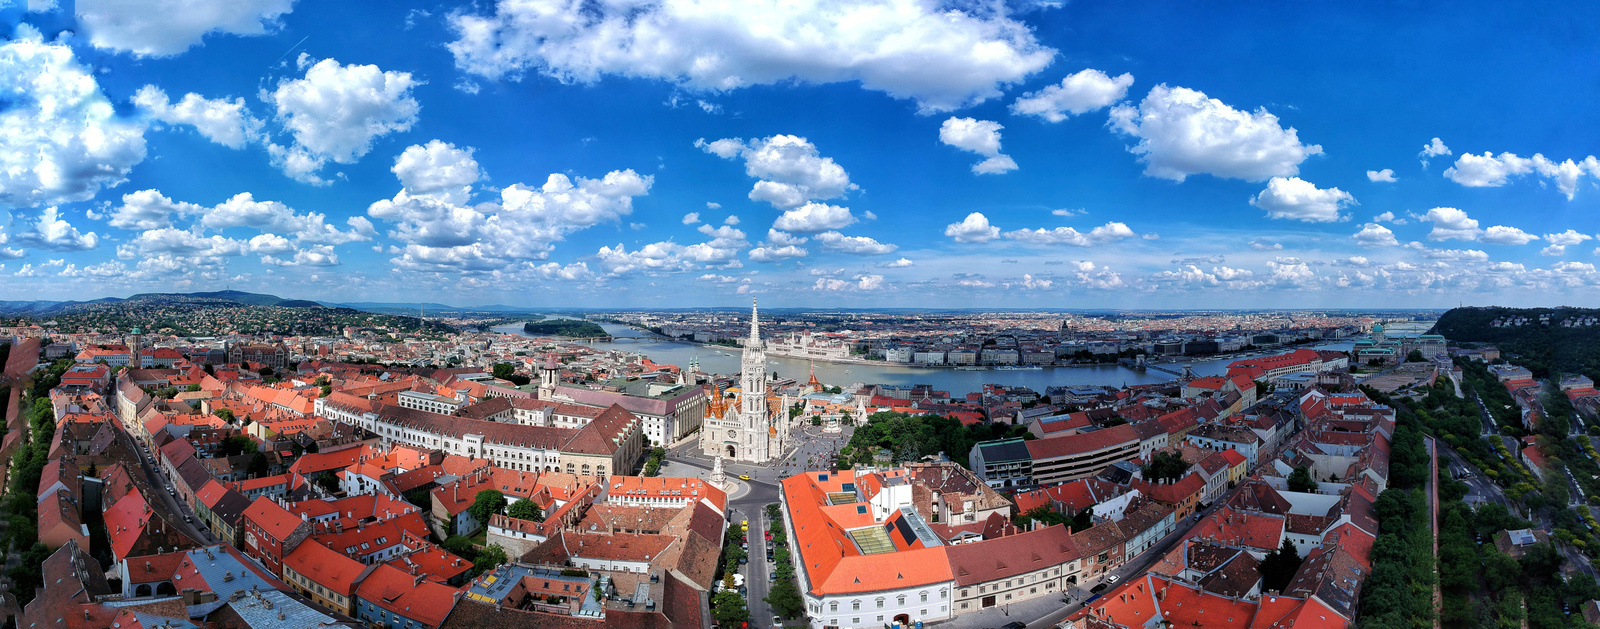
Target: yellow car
744, 477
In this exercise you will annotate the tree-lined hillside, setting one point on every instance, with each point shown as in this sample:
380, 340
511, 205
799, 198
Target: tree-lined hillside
1545, 339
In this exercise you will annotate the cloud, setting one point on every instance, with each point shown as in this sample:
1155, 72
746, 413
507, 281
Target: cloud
1375, 235
981, 137
1109, 232
1261, 244
662, 258
1182, 132
691, 218
575, 272
1502, 235
335, 113
1386, 175
438, 169
974, 228
1069, 212
790, 169
60, 139
1291, 273
731, 220
863, 282
942, 56
52, 231
179, 242
854, 245
1296, 198
1560, 242
1387, 217
441, 232
163, 28
1077, 94
149, 209
1492, 171
776, 254
1451, 223
713, 205
226, 122
897, 264
1432, 149
814, 217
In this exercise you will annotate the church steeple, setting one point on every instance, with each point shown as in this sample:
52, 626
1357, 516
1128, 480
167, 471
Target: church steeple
755, 326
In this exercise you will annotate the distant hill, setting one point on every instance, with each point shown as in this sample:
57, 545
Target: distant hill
220, 298
1546, 340
430, 308
240, 297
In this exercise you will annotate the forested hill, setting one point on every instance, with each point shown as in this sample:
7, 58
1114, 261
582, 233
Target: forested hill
1543, 339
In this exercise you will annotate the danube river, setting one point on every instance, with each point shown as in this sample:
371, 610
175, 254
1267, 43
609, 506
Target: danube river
725, 360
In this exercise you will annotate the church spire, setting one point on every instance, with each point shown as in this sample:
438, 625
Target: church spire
755, 325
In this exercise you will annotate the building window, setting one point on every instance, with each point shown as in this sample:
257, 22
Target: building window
855, 605
924, 597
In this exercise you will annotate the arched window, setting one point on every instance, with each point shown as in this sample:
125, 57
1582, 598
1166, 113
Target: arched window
880, 602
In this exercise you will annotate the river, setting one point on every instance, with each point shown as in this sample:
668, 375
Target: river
725, 360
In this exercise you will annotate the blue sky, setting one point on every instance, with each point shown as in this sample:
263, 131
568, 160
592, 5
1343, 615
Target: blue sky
879, 153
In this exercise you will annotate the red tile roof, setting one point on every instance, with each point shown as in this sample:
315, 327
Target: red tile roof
392, 589
325, 567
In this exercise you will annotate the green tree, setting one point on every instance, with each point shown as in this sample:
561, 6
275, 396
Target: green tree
525, 510
491, 556
729, 609
1300, 480
488, 502
328, 481
224, 414
326, 391
785, 599
1279, 566
1166, 466
1415, 357
238, 444
258, 465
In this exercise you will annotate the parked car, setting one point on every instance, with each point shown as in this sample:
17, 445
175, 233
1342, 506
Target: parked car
1112, 579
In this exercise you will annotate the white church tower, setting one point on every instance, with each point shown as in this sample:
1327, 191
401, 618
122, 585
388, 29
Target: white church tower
749, 433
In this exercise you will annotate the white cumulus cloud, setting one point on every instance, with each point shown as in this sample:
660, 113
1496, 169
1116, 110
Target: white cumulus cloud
60, 139
1503, 235
854, 245
790, 169
1077, 94
335, 113
163, 28
942, 56
1183, 132
1109, 232
1375, 235
1431, 150
974, 228
1386, 175
981, 137
1298, 199
1451, 223
226, 122
1490, 171
814, 217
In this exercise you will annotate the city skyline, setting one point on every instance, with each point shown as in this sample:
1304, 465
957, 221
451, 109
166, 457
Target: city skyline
1075, 157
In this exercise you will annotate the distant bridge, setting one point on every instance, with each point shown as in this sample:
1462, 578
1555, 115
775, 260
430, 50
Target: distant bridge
609, 338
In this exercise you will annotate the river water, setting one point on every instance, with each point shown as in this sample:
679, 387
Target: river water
725, 360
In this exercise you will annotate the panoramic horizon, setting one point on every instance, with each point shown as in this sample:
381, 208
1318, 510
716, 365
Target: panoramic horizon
1077, 155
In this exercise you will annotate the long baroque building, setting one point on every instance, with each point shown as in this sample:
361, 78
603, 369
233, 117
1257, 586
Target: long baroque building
608, 443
